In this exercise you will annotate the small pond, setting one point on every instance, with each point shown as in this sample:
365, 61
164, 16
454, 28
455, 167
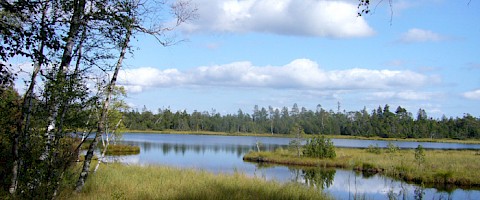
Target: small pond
223, 154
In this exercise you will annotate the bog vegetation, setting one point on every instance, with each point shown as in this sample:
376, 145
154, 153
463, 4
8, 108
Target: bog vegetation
429, 167
319, 147
115, 181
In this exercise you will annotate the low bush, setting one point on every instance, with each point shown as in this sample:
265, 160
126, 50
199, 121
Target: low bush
319, 147
392, 148
374, 149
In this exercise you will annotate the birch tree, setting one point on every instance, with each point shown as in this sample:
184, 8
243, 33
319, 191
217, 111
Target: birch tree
130, 15
67, 42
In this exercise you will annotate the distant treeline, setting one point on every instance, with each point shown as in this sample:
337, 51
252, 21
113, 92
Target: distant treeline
380, 122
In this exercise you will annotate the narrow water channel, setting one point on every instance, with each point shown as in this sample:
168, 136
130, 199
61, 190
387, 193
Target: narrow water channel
223, 154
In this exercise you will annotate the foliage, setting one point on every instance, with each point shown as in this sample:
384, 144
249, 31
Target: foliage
392, 148
319, 147
69, 44
295, 143
374, 149
9, 112
420, 155
380, 122
295, 146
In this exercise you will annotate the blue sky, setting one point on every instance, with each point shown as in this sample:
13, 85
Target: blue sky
237, 54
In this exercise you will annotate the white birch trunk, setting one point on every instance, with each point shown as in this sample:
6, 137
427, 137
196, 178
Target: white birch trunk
101, 124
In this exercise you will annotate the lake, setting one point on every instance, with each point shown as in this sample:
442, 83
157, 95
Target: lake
223, 154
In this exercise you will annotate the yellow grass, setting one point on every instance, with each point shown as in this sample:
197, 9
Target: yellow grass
457, 167
116, 181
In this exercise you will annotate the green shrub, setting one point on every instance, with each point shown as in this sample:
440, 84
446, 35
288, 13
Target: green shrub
392, 148
420, 154
319, 147
374, 149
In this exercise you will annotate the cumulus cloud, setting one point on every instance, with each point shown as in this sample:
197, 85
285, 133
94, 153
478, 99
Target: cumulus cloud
473, 95
298, 74
416, 35
334, 19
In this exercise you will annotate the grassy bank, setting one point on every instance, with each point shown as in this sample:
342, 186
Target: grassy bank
441, 167
121, 149
443, 140
116, 181
114, 149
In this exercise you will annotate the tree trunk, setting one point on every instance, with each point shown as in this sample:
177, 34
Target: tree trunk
24, 120
22, 132
75, 24
103, 118
105, 147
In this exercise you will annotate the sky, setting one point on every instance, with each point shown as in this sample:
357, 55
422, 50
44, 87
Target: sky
240, 53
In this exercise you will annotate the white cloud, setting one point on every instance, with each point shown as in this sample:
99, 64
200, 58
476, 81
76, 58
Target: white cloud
416, 35
150, 77
403, 95
473, 95
298, 74
334, 19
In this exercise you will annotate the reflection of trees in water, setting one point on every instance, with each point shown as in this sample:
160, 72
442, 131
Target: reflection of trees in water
177, 148
419, 193
401, 194
319, 177
316, 177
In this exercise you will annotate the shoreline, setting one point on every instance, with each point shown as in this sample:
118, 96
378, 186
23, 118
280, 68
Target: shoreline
443, 140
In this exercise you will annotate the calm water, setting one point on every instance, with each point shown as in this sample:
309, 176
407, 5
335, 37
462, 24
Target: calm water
223, 154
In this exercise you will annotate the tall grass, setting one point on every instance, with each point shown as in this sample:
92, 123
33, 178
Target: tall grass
441, 167
116, 181
121, 149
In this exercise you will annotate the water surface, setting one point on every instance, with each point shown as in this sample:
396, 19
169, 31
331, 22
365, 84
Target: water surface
223, 154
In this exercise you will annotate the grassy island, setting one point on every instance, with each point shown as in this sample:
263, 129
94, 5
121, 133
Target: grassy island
121, 149
116, 181
439, 167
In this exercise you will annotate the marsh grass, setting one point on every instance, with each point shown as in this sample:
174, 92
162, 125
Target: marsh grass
441, 167
116, 181
121, 149
114, 149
